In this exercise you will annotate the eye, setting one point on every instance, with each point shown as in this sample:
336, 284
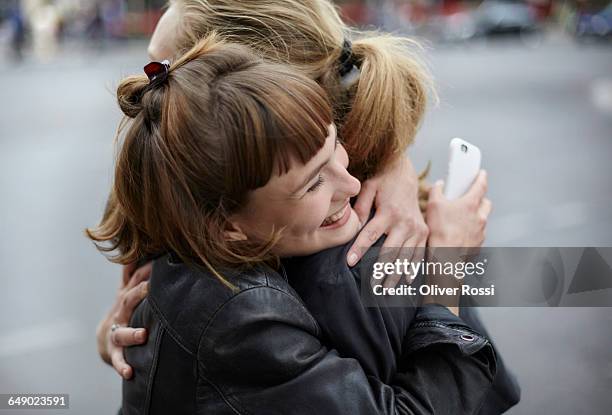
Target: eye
316, 185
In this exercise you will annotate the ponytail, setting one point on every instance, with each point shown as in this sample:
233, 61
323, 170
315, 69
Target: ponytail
377, 114
385, 104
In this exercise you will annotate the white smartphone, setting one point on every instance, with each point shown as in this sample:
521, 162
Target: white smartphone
463, 167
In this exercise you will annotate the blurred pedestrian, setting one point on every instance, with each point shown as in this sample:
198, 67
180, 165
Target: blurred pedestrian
45, 24
18, 35
95, 29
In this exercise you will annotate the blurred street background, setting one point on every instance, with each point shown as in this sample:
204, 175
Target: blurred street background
530, 83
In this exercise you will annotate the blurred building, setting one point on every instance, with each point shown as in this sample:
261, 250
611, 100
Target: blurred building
41, 26
368, 12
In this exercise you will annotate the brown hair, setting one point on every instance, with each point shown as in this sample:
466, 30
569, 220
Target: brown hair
221, 125
377, 113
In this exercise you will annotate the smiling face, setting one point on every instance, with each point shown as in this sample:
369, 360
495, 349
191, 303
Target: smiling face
310, 203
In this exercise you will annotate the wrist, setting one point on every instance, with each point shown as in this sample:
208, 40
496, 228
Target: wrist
442, 302
439, 241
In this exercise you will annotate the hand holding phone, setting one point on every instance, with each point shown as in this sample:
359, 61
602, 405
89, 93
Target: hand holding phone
456, 226
463, 167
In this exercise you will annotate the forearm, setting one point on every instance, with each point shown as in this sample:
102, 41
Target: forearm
451, 303
444, 356
444, 289
442, 380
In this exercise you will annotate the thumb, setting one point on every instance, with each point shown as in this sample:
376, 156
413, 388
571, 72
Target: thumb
437, 190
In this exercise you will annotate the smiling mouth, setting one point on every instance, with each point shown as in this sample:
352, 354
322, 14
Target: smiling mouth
330, 220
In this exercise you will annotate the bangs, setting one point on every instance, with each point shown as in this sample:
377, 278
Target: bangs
280, 118
297, 122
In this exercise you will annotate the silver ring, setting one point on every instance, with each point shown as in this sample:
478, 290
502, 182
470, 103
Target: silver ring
114, 327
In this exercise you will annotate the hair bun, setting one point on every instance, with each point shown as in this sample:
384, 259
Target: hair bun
129, 94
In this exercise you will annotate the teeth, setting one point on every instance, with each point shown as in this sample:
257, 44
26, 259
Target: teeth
333, 218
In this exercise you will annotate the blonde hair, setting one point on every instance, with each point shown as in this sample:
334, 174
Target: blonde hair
221, 124
377, 114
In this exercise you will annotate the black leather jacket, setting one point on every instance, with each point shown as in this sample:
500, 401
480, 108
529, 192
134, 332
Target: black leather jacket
258, 350
376, 336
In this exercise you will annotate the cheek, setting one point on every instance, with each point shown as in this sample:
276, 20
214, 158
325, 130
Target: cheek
299, 218
310, 213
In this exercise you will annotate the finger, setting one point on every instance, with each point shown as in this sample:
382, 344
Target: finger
119, 363
485, 208
128, 336
479, 187
130, 300
418, 253
369, 234
396, 236
421, 242
392, 251
395, 241
364, 203
437, 190
141, 274
417, 257
126, 272
392, 280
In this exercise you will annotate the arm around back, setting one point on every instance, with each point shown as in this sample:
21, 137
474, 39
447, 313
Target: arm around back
261, 354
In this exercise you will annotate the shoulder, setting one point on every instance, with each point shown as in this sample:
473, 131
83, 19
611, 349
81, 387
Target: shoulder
307, 269
187, 298
329, 264
328, 268
263, 334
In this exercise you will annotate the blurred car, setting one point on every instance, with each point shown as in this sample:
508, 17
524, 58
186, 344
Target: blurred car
595, 25
457, 27
504, 17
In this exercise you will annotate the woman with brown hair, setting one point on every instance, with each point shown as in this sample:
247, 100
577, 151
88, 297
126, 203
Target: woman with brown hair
227, 164
378, 90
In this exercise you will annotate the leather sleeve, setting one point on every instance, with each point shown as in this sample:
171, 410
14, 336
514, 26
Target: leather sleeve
372, 335
453, 362
261, 352
505, 391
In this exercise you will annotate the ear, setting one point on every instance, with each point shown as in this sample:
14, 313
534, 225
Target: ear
233, 231
163, 41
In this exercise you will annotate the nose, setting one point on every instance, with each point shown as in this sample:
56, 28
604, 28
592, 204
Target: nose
346, 185
353, 186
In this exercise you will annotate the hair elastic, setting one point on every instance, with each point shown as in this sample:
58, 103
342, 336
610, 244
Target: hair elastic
347, 59
157, 72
